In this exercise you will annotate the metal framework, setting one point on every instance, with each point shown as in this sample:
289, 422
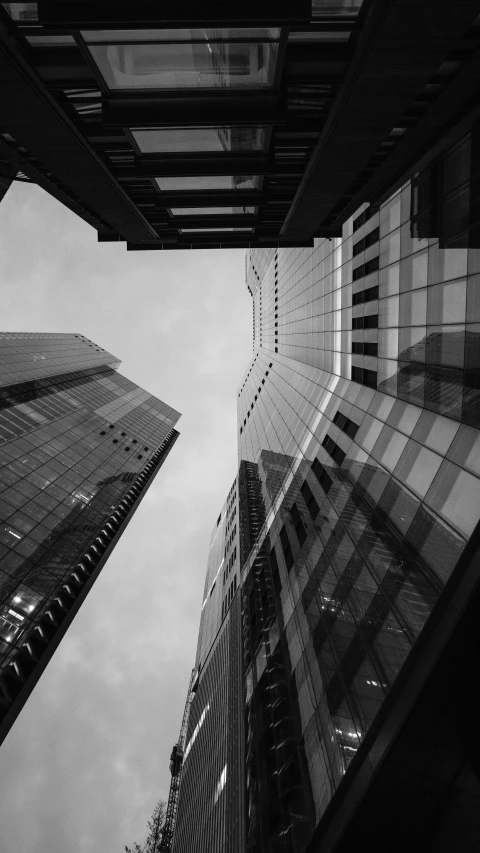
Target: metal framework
176, 763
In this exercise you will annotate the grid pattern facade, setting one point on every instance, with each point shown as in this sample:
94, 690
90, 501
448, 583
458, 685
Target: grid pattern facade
71, 446
369, 489
210, 810
400, 314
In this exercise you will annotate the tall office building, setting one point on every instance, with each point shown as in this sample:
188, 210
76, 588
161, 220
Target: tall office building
247, 123
357, 538
79, 447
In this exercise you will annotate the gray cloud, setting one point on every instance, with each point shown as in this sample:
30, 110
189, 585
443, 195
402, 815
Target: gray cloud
88, 756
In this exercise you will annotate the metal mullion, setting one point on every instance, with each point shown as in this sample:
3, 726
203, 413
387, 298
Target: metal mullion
192, 166
238, 220
209, 198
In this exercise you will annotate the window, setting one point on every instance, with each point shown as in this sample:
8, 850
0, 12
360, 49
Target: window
333, 450
208, 182
370, 321
309, 499
185, 140
364, 377
323, 478
367, 295
177, 63
366, 269
286, 548
298, 524
361, 348
210, 211
345, 424
213, 230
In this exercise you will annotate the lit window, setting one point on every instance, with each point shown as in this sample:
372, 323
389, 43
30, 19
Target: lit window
208, 182
197, 139
204, 211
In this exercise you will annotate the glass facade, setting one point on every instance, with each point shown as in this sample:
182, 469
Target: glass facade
363, 392
358, 492
210, 809
75, 437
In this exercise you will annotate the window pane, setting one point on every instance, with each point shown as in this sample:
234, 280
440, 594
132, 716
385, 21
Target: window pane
50, 41
125, 36
226, 65
204, 211
209, 182
213, 230
193, 139
22, 11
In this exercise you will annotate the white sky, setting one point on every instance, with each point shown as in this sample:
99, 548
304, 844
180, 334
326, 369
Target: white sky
88, 756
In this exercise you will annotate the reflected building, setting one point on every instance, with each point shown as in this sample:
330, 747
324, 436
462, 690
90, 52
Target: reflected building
79, 446
358, 509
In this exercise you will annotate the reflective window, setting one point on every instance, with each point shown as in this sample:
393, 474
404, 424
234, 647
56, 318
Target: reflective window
204, 211
196, 139
208, 182
50, 41
201, 35
188, 65
22, 11
213, 230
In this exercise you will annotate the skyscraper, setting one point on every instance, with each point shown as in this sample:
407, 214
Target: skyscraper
357, 541
79, 447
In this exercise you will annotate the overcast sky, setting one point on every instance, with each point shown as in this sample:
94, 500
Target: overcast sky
88, 757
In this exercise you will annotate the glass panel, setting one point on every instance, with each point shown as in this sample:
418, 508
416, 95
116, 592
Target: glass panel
209, 182
213, 230
22, 11
50, 41
226, 65
193, 139
125, 36
335, 8
204, 211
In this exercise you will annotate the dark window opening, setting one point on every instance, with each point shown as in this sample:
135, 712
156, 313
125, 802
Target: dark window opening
286, 548
364, 377
298, 524
370, 321
310, 501
367, 295
333, 449
363, 348
345, 424
323, 478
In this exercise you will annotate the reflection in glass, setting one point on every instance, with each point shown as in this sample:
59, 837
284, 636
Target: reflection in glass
51, 41
196, 139
201, 35
22, 11
191, 65
213, 230
204, 211
208, 182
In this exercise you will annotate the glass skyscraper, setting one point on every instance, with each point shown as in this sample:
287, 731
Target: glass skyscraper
345, 559
79, 446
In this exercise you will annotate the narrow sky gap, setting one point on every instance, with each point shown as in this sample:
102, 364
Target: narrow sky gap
88, 756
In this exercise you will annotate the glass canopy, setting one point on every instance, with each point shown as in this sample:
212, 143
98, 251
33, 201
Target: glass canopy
208, 182
200, 139
203, 64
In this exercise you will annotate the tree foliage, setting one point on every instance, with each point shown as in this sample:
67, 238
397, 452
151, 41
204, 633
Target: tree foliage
154, 833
